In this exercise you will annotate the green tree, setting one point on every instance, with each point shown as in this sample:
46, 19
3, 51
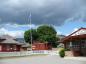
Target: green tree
47, 34
43, 33
27, 35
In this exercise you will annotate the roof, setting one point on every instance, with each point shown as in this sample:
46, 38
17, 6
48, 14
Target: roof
80, 33
11, 41
25, 45
6, 37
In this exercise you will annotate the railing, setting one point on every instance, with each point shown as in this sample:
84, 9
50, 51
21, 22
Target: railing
26, 53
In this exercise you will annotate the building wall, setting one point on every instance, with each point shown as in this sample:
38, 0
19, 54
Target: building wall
84, 51
0, 47
18, 47
78, 47
9, 47
41, 46
23, 49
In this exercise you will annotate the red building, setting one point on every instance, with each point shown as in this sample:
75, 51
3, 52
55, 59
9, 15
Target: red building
76, 42
9, 44
41, 46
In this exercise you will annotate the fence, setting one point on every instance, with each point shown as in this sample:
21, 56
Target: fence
26, 53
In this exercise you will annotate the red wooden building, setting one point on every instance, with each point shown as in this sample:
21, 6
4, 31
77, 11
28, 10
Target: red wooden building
76, 42
9, 44
41, 46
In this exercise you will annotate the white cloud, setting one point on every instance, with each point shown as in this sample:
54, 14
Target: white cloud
67, 34
17, 34
75, 29
11, 26
3, 31
59, 32
15, 30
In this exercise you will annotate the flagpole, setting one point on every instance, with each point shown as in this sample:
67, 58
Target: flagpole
30, 30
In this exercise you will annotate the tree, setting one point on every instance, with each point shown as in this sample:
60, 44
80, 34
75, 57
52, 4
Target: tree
47, 34
27, 35
43, 33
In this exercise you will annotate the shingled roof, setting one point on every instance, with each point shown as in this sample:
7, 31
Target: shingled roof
6, 37
9, 40
26, 45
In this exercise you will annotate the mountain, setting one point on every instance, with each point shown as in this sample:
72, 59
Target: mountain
20, 40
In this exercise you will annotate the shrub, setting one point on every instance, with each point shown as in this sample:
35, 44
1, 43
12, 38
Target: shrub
62, 52
67, 49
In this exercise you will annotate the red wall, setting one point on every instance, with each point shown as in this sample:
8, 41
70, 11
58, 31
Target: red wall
11, 48
41, 46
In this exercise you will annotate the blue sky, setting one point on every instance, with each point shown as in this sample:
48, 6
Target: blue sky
69, 27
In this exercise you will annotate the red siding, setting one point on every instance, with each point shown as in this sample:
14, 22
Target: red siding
9, 47
41, 46
0, 47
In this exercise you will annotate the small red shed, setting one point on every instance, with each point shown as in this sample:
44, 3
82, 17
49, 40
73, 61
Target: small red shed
41, 46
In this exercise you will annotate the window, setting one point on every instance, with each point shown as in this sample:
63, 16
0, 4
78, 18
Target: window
79, 44
76, 44
83, 44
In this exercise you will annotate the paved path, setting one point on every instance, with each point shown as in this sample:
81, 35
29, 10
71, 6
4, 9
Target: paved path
76, 58
40, 60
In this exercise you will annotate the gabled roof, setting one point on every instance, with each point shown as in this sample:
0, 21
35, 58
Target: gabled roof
6, 37
10, 41
26, 45
80, 33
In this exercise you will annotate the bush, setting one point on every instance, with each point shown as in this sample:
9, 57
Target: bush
67, 49
62, 52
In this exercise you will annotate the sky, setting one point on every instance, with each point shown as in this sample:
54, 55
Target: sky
65, 15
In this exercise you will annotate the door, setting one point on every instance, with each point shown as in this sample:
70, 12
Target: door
83, 48
0, 48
